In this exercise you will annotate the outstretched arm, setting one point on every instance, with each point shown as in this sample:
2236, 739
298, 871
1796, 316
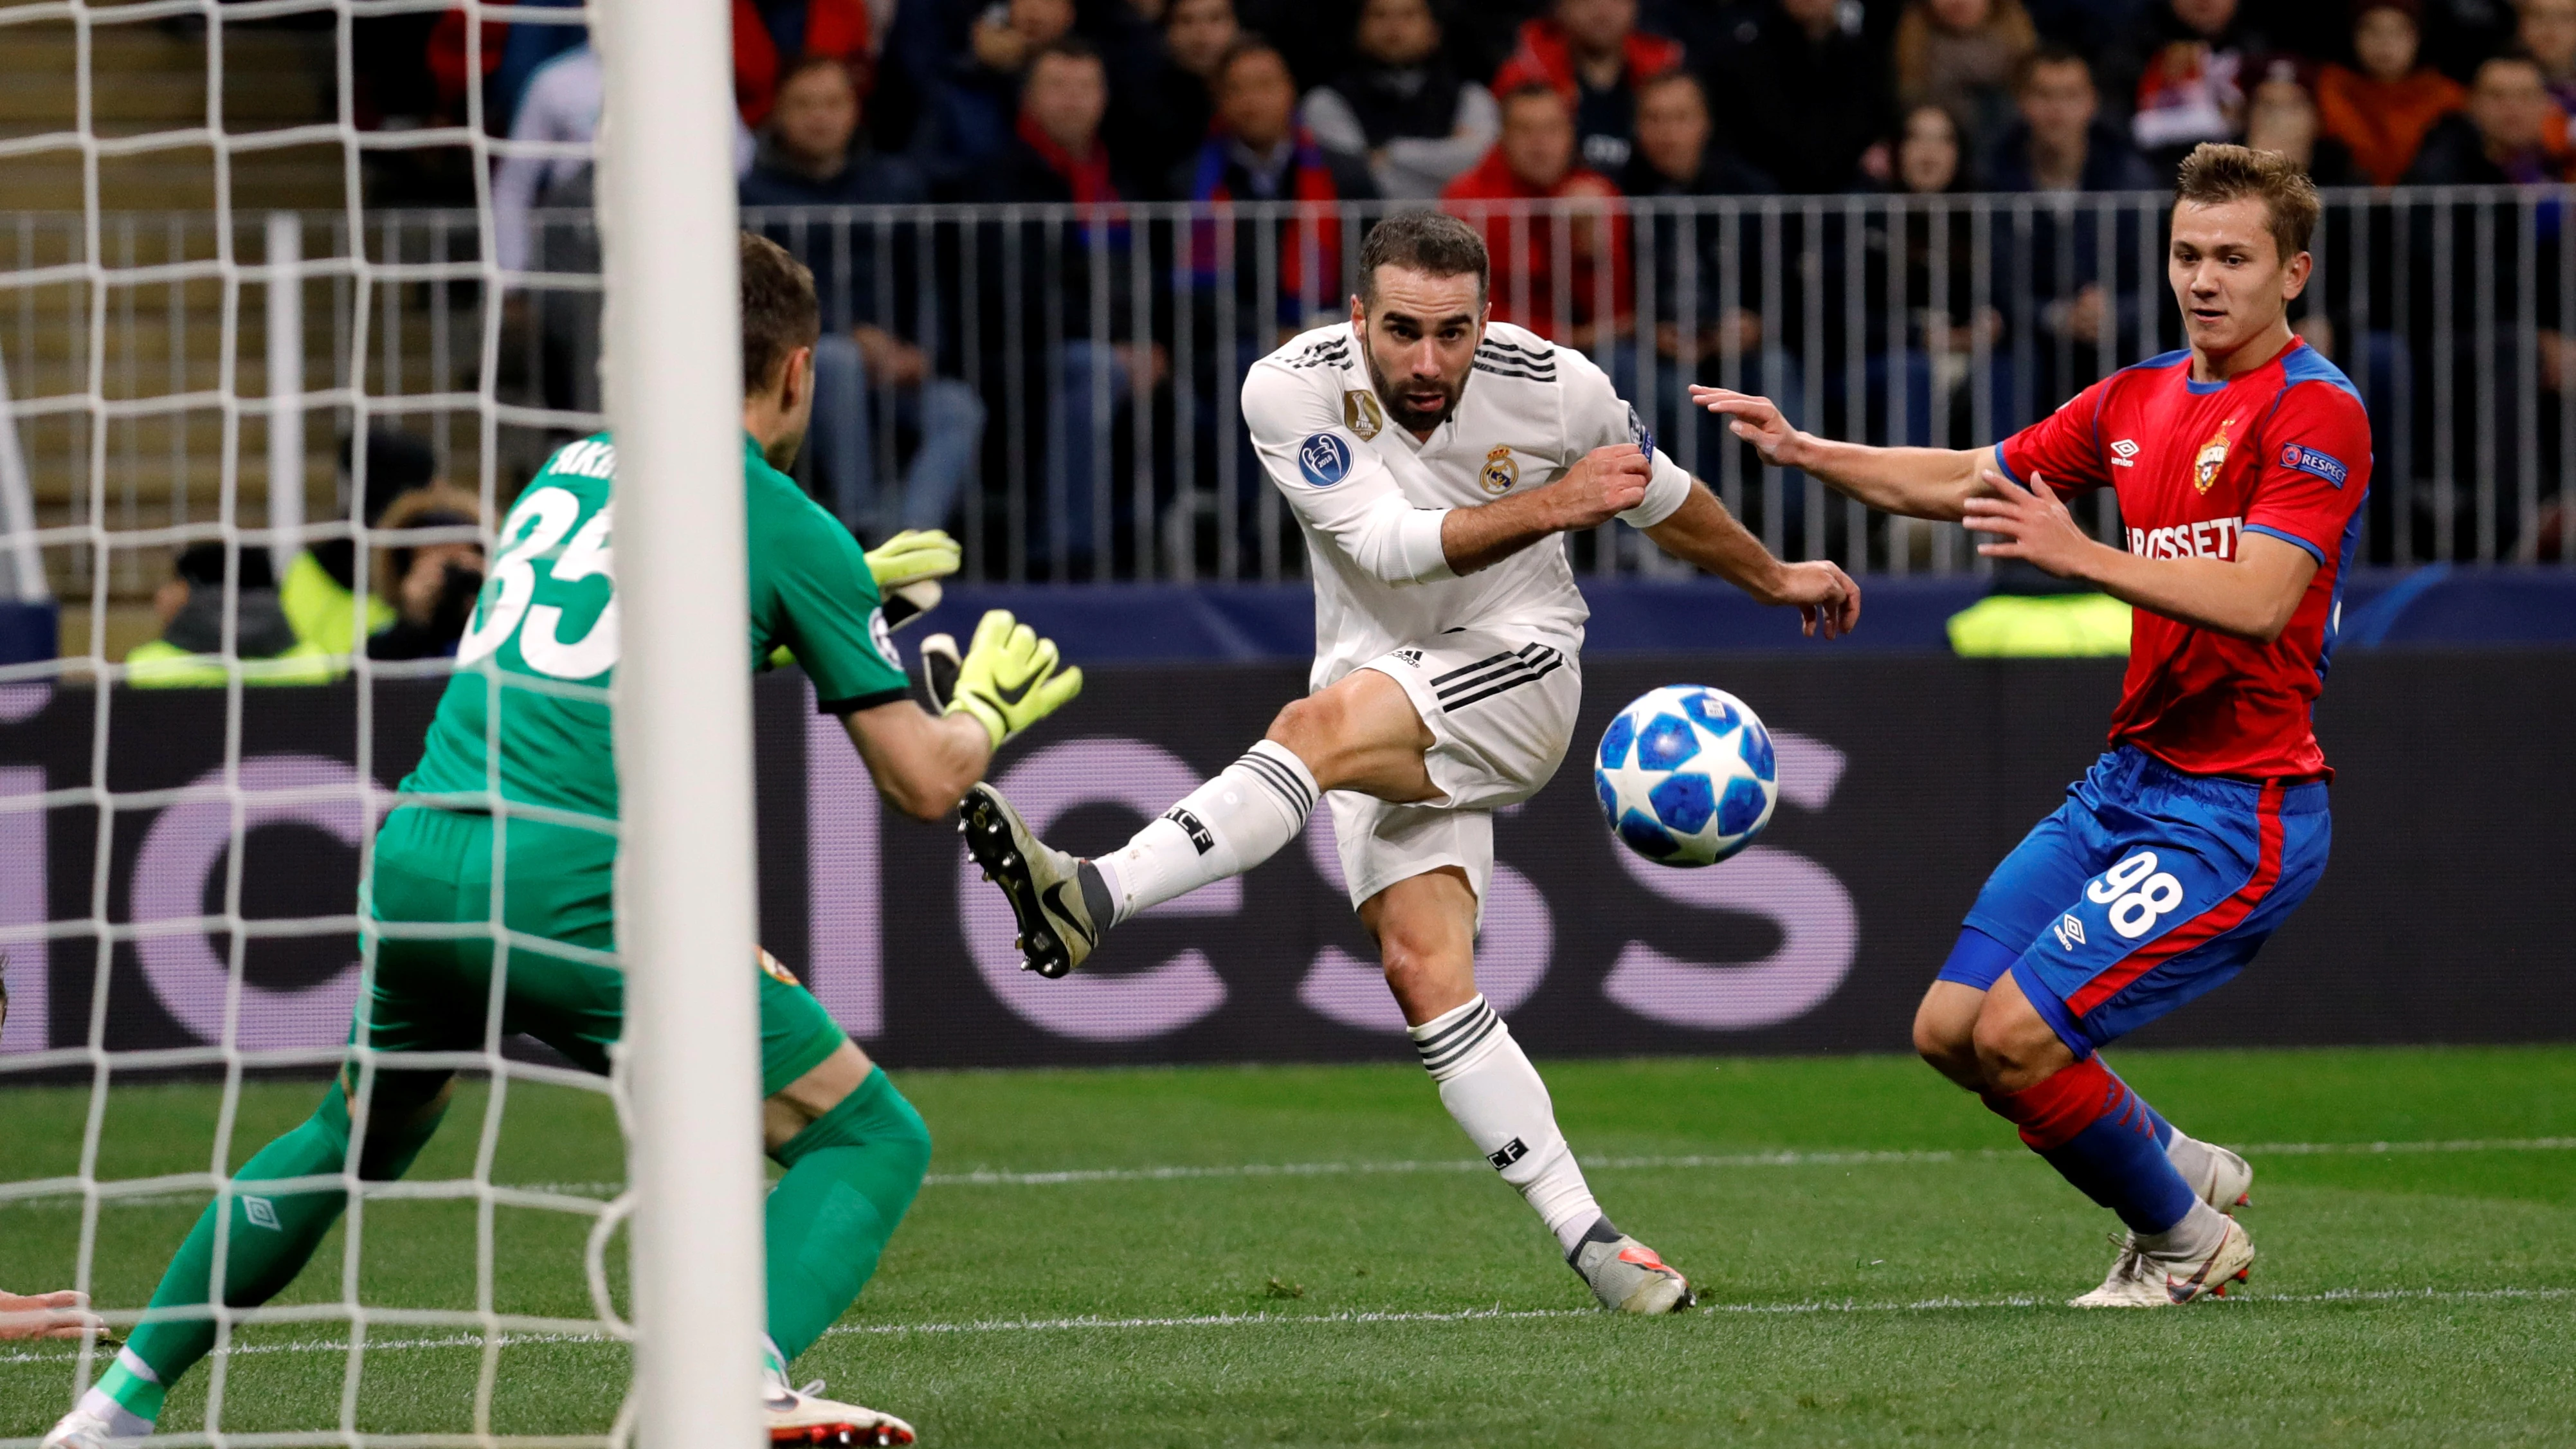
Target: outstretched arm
923, 762
2251, 596
1703, 533
1934, 483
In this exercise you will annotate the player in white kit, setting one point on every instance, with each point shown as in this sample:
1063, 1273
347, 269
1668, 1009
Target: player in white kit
1433, 460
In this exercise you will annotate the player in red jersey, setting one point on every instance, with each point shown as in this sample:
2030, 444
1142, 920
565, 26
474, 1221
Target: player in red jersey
2240, 465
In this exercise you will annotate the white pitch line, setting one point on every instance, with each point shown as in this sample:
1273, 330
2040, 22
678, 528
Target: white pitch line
1363, 1317
1070, 1177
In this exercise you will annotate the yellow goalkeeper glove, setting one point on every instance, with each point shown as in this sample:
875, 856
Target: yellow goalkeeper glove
908, 568
1009, 679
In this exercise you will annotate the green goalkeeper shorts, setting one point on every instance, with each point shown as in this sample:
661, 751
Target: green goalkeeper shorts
434, 868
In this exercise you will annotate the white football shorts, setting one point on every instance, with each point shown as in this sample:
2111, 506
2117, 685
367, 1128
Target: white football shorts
1501, 711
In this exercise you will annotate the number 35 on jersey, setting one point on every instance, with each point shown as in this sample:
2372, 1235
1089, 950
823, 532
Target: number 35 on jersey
553, 588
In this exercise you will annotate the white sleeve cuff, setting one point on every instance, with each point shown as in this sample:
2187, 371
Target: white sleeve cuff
1418, 546
1667, 489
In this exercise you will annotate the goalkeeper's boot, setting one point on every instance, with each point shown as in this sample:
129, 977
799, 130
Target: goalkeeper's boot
2140, 1279
90, 1427
1059, 900
1627, 1276
804, 1416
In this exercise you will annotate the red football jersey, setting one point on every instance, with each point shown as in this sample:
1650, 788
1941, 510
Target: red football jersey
2282, 450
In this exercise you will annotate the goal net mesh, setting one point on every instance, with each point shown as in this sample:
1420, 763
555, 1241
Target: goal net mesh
241, 312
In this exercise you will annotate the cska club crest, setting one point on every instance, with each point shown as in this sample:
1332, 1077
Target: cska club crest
2211, 458
1502, 471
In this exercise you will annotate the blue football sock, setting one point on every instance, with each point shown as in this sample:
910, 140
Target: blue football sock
2103, 1138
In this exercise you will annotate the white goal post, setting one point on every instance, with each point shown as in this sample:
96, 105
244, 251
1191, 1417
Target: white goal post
683, 698
127, 357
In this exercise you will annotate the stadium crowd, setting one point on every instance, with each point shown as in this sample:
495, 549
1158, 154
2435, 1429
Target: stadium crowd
1075, 379
1408, 99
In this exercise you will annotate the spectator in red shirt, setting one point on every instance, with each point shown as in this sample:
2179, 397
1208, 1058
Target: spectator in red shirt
1590, 53
1534, 162
2381, 111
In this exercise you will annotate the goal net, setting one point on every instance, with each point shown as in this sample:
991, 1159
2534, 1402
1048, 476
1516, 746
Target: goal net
275, 363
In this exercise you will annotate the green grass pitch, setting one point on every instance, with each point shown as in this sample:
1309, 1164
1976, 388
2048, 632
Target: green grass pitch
1879, 1262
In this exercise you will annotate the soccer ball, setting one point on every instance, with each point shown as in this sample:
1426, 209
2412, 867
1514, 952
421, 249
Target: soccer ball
1686, 775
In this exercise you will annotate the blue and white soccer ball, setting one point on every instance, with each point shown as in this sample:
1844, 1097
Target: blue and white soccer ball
1686, 775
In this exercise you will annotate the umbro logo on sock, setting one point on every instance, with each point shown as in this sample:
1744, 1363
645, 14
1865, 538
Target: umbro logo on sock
261, 1212
1507, 1154
1190, 824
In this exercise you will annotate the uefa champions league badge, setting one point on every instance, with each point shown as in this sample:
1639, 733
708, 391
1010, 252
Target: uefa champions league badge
1639, 433
1324, 459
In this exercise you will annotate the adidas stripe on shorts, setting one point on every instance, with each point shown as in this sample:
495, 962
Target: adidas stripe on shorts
1501, 711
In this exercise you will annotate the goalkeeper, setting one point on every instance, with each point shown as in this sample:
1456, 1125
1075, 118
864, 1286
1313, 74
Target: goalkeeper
520, 839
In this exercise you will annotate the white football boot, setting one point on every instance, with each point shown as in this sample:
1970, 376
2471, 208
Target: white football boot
804, 1416
87, 1428
2140, 1279
1628, 1277
1061, 906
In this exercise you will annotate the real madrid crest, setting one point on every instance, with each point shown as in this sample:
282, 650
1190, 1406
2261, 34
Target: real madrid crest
2211, 457
1502, 472
1360, 413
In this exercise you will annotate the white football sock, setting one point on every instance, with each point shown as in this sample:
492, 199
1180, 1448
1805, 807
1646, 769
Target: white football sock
2194, 1238
122, 1422
1489, 1086
1224, 827
2193, 1159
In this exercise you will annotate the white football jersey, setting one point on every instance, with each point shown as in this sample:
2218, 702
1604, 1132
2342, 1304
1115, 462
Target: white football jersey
1370, 498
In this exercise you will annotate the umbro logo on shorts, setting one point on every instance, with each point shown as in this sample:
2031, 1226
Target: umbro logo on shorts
2070, 932
261, 1212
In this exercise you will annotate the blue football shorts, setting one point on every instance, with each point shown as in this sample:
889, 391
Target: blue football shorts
2148, 887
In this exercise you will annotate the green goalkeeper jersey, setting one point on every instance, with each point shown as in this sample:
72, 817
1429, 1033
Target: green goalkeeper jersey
542, 644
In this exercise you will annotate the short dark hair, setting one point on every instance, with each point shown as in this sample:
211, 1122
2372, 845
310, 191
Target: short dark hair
1067, 47
1246, 44
779, 314
2214, 174
1531, 89
2511, 55
203, 566
2047, 54
1424, 241
1675, 76
853, 71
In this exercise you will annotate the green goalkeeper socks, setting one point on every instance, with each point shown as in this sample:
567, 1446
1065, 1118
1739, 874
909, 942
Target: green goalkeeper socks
270, 1238
850, 1176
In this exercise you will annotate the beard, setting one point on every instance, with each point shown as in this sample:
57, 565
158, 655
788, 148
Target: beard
1405, 413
